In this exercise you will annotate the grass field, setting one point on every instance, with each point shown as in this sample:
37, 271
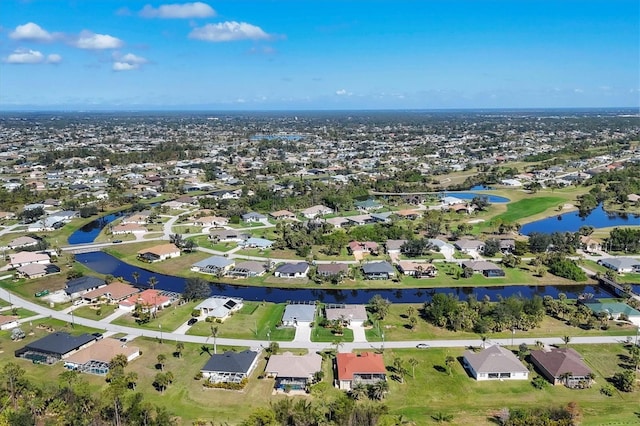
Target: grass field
396, 327
630, 278
167, 319
253, 321
475, 403
91, 312
321, 334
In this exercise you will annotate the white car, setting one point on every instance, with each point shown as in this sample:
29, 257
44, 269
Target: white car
422, 346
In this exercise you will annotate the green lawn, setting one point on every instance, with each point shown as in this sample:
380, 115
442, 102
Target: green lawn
475, 403
91, 312
396, 327
322, 334
620, 278
169, 318
253, 321
204, 241
528, 207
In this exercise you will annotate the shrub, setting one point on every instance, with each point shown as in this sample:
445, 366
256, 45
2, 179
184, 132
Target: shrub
606, 390
227, 386
195, 313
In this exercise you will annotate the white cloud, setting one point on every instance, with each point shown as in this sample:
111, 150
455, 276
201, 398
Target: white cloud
127, 62
178, 11
228, 31
343, 92
25, 57
30, 32
92, 41
54, 58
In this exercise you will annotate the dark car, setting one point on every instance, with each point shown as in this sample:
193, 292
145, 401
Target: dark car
117, 241
98, 336
192, 321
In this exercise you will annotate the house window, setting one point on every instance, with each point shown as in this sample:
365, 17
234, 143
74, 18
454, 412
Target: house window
505, 375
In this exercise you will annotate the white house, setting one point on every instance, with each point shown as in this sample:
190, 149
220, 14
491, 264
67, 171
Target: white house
27, 257
494, 363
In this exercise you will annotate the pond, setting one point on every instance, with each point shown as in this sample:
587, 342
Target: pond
89, 232
106, 264
571, 222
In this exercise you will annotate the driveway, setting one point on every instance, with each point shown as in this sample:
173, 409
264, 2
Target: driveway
358, 332
303, 333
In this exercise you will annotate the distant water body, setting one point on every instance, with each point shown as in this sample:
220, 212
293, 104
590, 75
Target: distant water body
571, 222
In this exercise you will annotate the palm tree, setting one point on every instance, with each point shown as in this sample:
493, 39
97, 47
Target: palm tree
152, 282
413, 363
161, 359
449, 361
566, 340
131, 378
179, 349
411, 311
214, 334
135, 276
379, 389
397, 365
358, 392
161, 382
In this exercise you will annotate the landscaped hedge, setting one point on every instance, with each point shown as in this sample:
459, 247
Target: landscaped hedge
228, 386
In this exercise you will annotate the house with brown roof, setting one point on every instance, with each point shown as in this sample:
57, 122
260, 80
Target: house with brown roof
159, 253
364, 368
211, 221
95, 359
417, 269
113, 292
128, 228
21, 242
332, 269
488, 269
293, 372
7, 322
317, 210
37, 270
283, 215
408, 214
348, 314
363, 247
562, 366
138, 219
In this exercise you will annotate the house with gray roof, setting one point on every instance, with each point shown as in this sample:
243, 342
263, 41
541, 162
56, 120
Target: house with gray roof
443, 247
488, 269
253, 217
494, 363
213, 265
293, 372
248, 269
78, 286
298, 314
367, 205
332, 269
382, 270
253, 242
54, 347
292, 270
228, 235
350, 314
230, 367
621, 264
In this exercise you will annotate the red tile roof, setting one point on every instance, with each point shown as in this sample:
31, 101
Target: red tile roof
366, 362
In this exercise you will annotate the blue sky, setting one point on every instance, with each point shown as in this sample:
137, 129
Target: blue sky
319, 54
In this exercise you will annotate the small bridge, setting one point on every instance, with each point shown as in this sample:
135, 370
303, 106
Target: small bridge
617, 288
80, 250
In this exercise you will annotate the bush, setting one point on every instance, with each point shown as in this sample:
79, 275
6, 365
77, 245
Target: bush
539, 382
227, 386
195, 313
209, 319
606, 390
198, 376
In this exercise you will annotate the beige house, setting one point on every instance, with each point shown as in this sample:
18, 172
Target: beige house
159, 253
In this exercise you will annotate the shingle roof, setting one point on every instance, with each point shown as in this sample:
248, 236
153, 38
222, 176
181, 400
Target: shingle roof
83, 283
289, 365
304, 313
558, 361
293, 268
60, 343
494, 359
349, 364
231, 362
377, 268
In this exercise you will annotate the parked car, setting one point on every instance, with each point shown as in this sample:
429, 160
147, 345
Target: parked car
98, 336
422, 346
117, 241
192, 321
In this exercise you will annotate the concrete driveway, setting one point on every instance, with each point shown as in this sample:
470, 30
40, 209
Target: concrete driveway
303, 333
358, 332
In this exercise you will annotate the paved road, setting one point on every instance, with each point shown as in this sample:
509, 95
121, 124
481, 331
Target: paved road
132, 332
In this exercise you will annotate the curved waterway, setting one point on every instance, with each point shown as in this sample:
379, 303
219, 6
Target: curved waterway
571, 222
106, 264
89, 232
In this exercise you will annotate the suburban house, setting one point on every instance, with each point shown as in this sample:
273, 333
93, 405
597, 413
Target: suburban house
488, 269
361, 219
469, 246
362, 247
159, 253
128, 228
562, 366
21, 242
408, 214
27, 258
417, 269
348, 314
112, 292
211, 221
298, 315
292, 270
443, 247
614, 310
253, 217
364, 368
219, 307
293, 372
368, 205
382, 270
449, 201
228, 236
213, 265
317, 210
230, 367
283, 215
253, 242
332, 269
494, 363
95, 359
621, 264
248, 269
393, 246
54, 347
150, 300
384, 217
137, 219
7, 322
507, 245
37, 270
589, 244
337, 222
78, 286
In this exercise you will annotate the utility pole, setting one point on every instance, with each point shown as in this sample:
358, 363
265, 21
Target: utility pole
160, 327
